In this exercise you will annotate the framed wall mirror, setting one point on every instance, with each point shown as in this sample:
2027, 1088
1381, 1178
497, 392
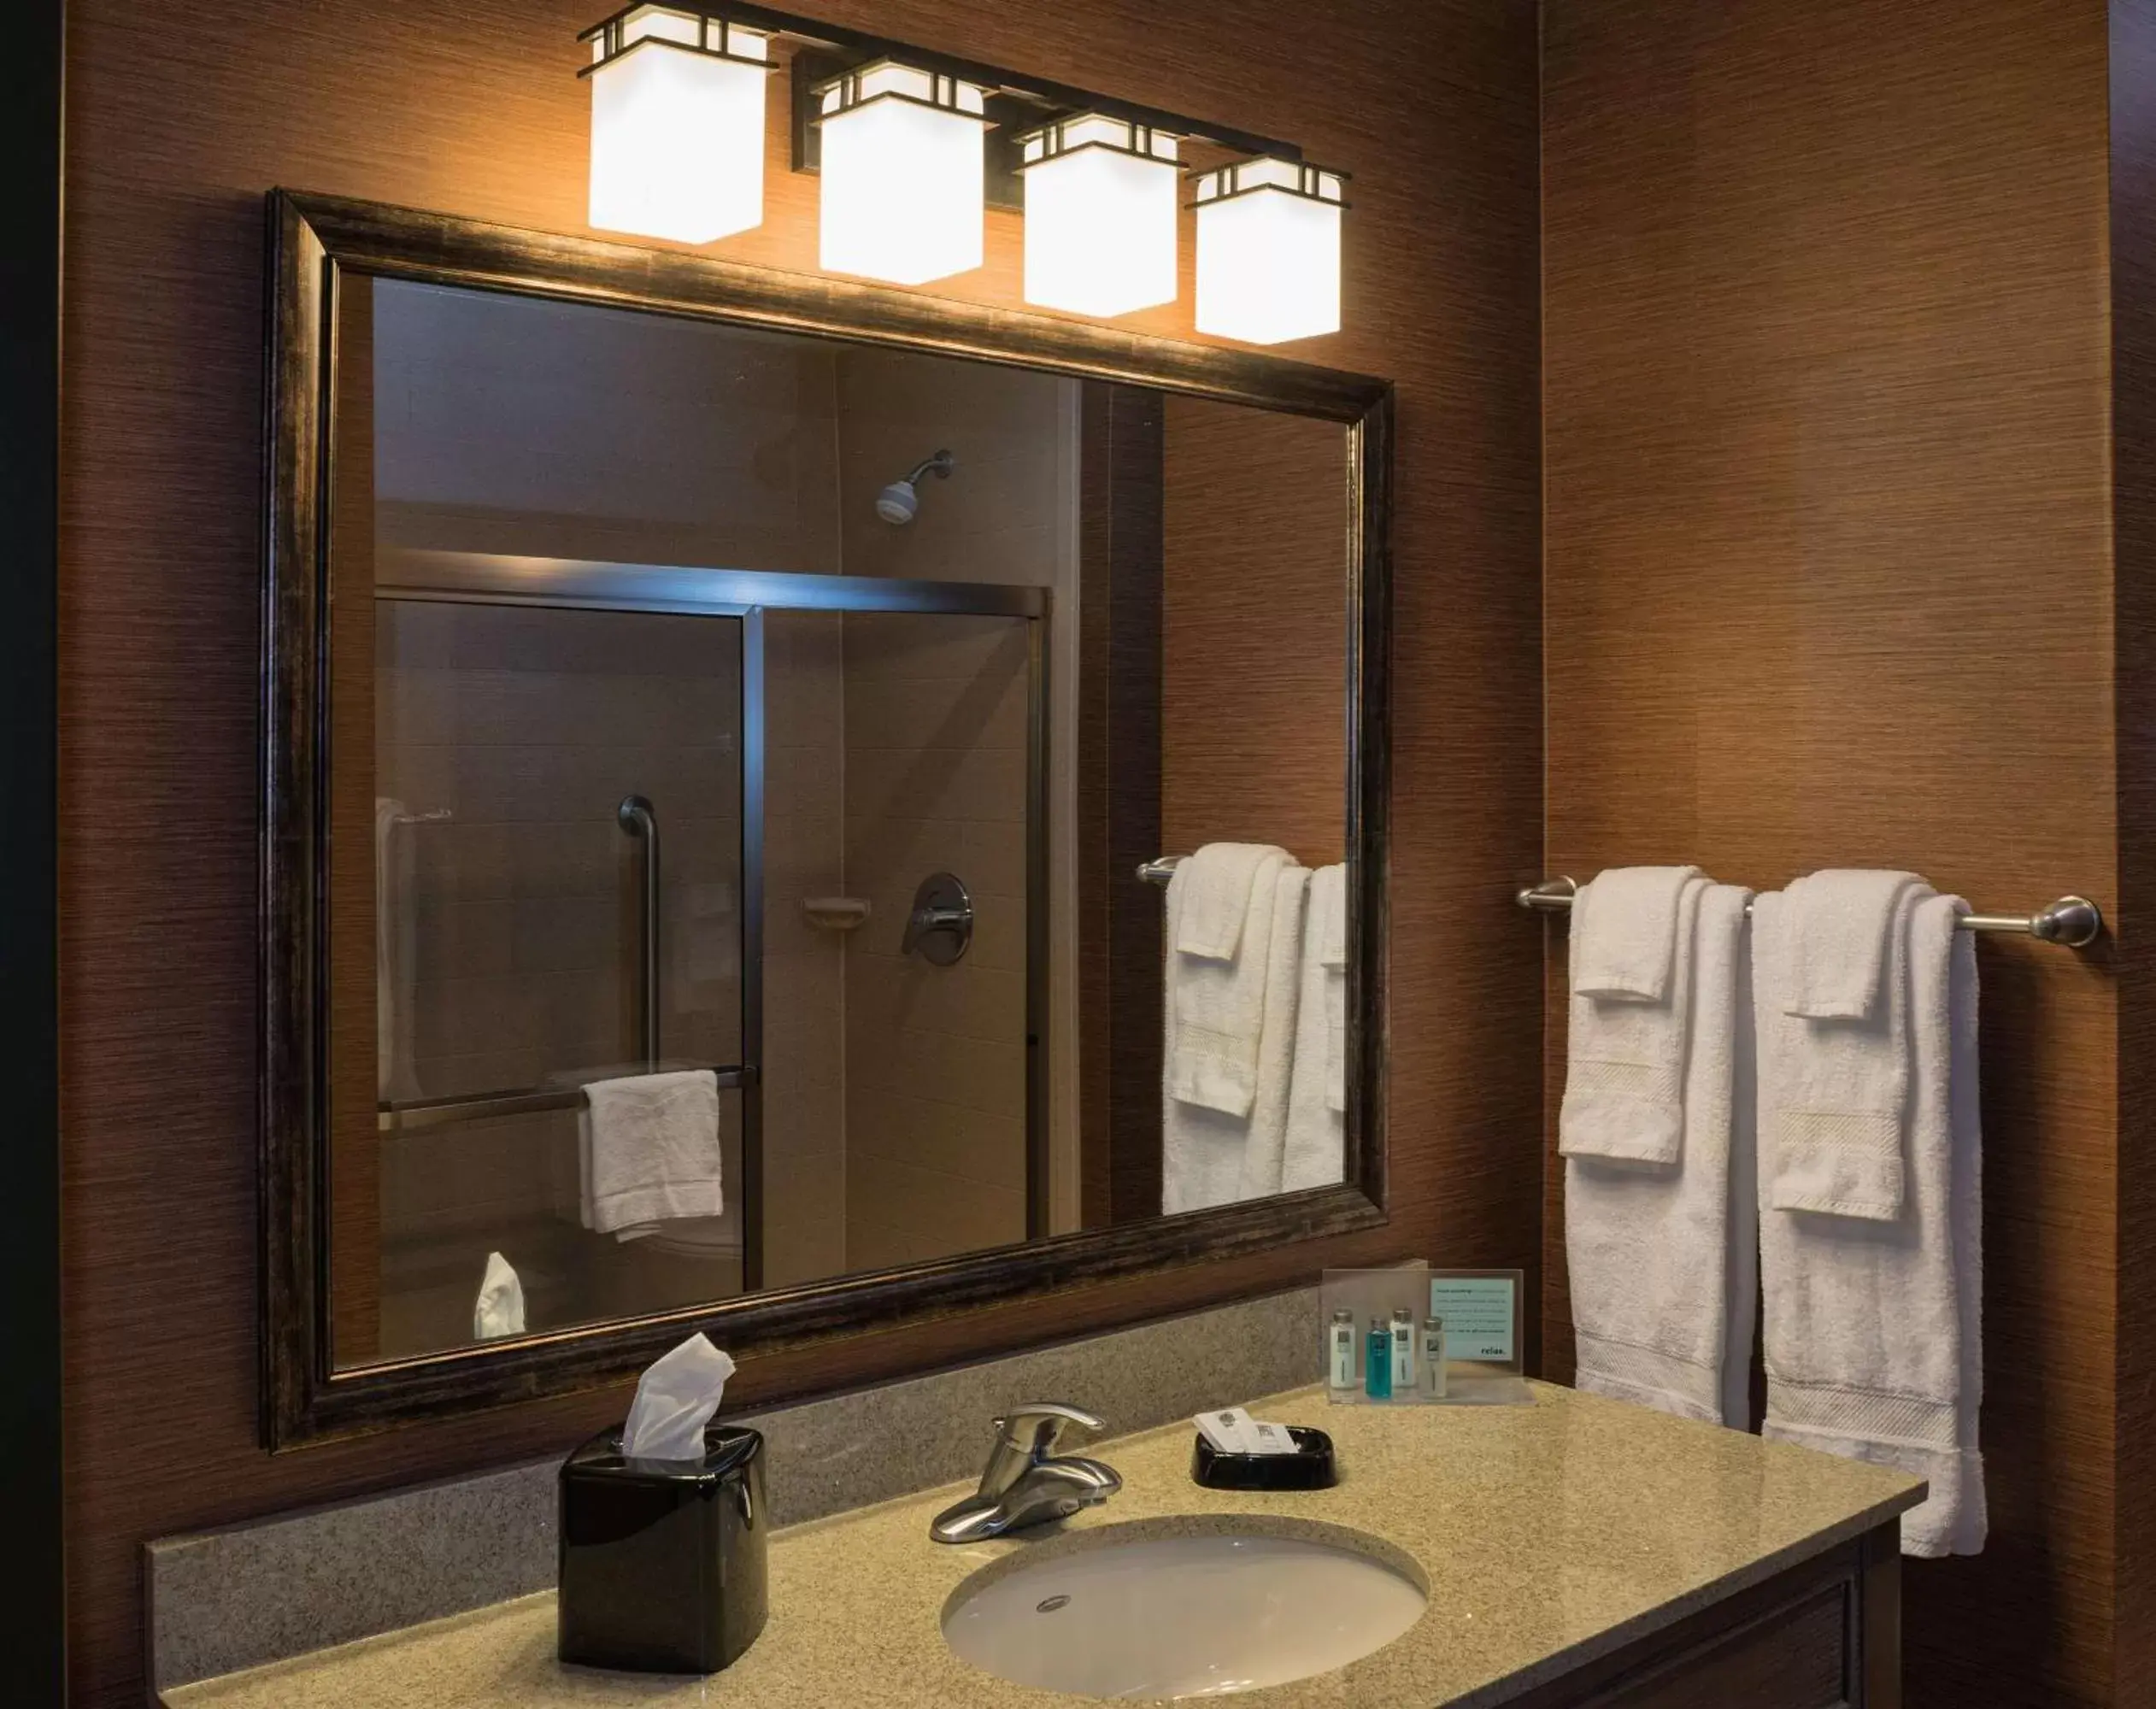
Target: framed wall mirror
728, 743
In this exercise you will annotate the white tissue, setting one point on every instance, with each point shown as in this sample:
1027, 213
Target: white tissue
499, 1310
675, 1399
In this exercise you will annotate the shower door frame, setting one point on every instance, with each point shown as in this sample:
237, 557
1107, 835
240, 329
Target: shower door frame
314, 242
670, 589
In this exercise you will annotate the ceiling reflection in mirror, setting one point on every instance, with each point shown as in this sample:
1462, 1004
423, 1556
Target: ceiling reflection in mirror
744, 749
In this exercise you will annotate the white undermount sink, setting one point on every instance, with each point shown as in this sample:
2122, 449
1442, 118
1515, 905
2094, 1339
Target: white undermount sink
1150, 1609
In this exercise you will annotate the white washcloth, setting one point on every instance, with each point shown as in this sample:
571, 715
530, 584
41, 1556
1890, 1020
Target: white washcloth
648, 1146
1220, 886
1633, 943
1316, 1143
1218, 1000
1209, 1156
1832, 1141
1662, 1304
1874, 1329
1839, 922
499, 1310
1624, 1058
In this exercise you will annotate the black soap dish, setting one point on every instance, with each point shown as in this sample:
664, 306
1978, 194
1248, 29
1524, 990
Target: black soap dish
1309, 1467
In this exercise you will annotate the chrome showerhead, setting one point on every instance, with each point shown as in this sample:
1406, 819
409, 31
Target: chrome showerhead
897, 502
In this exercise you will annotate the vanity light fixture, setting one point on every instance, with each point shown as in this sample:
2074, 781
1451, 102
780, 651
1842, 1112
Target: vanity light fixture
1100, 215
1269, 250
677, 124
903, 168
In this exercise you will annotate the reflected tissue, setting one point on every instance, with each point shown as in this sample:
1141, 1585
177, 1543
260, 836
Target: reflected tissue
499, 1310
675, 1399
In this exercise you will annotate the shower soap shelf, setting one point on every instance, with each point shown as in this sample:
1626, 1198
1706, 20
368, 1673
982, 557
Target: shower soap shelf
834, 913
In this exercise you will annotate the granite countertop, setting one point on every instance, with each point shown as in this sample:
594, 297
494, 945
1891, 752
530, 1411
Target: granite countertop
1549, 1534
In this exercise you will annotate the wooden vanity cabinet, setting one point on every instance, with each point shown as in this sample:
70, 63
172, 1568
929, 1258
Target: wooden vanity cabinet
1822, 1634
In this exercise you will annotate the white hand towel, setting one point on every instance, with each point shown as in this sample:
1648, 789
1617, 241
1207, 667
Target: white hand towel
1833, 1141
1317, 1097
1840, 923
1874, 1329
1635, 940
649, 1148
1217, 1002
1221, 887
1624, 1058
1663, 1305
1209, 1156
499, 1310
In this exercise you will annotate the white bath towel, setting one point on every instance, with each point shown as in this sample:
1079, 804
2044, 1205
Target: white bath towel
499, 1310
1316, 1152
1208, 1155
1840, 922
1216, 994
1874, 1330
1633, 943
1663, 1287
1625, 1057
649, 1151
1329, 906
1835, 1141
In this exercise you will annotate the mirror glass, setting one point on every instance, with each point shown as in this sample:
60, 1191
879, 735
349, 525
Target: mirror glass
742, 751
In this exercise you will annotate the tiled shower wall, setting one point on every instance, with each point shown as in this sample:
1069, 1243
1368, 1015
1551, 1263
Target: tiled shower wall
936, 781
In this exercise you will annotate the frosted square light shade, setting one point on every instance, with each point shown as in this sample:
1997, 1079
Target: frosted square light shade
676, 126
1100, 216
1269, 251
903, 180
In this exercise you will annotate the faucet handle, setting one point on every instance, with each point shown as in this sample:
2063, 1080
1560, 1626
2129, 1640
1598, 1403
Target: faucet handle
1037, 1427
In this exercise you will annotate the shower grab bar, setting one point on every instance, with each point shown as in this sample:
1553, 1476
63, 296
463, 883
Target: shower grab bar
426, 1113
2071, 922
636, 816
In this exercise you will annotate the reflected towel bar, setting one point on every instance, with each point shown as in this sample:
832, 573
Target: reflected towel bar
1158, 872
2071, 922
426, 1113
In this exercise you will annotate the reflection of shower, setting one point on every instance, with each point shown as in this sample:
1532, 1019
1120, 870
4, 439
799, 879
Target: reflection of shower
897, 502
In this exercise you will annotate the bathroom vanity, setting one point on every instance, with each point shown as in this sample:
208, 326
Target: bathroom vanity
1578, 1551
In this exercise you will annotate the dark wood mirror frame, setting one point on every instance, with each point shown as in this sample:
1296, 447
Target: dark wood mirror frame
312, 241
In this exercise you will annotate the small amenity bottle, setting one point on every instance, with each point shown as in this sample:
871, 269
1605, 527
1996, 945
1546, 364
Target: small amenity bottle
1433, 1358
1376, 1362
1340, 1352
1403, 1353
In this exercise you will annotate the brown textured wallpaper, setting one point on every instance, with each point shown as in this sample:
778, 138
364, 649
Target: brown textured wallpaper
181, 117
1830, 582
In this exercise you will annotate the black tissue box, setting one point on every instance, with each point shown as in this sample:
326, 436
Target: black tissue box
1309, 1467
663, 1562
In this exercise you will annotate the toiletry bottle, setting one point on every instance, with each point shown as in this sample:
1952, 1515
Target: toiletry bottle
1433, 1358
1376, 1362
1403, 1353
1340, 1352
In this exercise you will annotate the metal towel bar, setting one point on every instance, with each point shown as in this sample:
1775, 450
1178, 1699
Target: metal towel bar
2071, 922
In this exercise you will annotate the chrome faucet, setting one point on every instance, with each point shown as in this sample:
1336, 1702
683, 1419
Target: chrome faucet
1025, 1482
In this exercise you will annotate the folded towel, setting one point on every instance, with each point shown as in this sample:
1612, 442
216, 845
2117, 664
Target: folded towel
1221, 888
649, 1149
1663, 1308
1624, 1058
1218, 1000
1832, 1137
1317, 1142
499, 1310
1633, 941
1210, 1156
1874, 1329
1838, 923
